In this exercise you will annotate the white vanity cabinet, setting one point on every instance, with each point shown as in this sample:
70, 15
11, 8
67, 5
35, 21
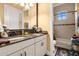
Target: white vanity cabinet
31, 47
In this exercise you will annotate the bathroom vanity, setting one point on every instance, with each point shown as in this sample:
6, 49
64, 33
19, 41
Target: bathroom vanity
27, 45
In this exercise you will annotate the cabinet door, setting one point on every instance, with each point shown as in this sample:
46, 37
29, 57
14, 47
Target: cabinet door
29, 51
40, 48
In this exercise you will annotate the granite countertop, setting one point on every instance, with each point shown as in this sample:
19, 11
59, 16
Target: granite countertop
21, 38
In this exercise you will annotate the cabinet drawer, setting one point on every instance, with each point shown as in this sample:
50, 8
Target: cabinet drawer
7, 50
40, 38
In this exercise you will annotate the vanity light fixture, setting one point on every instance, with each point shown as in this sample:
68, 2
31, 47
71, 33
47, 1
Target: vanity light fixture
26, 5
31, 4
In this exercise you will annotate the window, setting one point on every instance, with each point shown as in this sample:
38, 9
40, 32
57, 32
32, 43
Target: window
62, 15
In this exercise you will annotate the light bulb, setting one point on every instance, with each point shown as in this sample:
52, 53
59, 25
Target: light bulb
31, 4
27, 7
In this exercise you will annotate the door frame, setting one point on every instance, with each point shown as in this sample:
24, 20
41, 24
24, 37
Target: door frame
52, 49
51, 30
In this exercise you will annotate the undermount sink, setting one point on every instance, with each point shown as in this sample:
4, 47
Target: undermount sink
29, 36
16, 39
19, 38
36, 34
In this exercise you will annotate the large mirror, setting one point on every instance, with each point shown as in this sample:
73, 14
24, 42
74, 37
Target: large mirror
17, 16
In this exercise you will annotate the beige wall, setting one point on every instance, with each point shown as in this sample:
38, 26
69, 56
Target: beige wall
32, 16
43, 18
1, 14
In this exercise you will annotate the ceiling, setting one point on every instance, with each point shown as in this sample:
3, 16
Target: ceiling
17, 6
57, 4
